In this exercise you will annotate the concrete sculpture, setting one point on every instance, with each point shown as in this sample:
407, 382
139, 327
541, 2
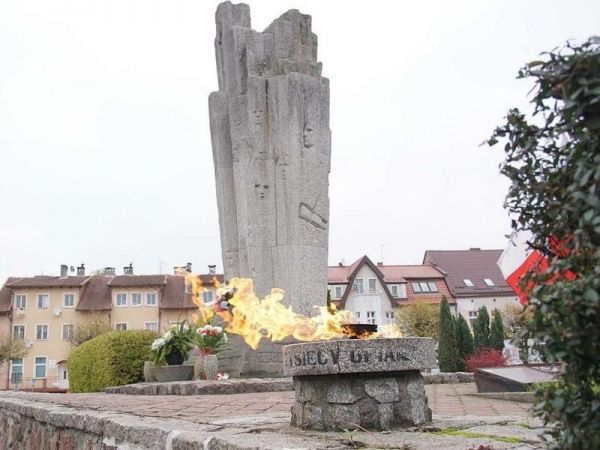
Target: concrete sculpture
271, 144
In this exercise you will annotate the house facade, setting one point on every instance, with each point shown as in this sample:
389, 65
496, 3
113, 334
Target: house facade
374, 292
44, 312
474, 279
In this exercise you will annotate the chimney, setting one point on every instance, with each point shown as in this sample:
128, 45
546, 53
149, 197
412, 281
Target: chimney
64, 270
128, 270
212, 268
188, 267
81, 270
109, 271
475, 248
379, 263
341, 264
177, 270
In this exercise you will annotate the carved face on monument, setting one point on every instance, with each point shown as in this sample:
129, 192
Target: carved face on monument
283, 164
261, 190
257, 115
309, 137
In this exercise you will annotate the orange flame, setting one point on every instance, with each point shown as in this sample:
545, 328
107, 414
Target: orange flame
253, 318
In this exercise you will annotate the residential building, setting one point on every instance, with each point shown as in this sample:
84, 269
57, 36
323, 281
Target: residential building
44, 311
474, 279
374, 292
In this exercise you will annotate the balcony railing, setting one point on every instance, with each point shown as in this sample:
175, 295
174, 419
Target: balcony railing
32, 384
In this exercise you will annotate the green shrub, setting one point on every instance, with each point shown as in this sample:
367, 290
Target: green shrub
111, 359
447, 349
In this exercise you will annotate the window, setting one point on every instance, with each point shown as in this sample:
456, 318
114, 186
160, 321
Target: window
151, 326
394, 290
337, 292
19, 332
488, 282
207, 297
40, 367
151, 299
136, 299
424, 286
16, 370
370, 316
68, 330
358, 286
69, 300
468, 282
42, 301
372, 285
357, 314
389, 315
122, 299
473, 314
21, 301
121, 326
41, 332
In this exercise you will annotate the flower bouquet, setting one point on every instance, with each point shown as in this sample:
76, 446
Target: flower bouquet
174, 345
210, 339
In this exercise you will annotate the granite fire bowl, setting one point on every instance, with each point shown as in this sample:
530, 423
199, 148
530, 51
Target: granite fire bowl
375, 384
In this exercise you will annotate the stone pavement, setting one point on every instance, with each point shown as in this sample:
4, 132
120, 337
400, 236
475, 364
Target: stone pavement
261, 420
444, 400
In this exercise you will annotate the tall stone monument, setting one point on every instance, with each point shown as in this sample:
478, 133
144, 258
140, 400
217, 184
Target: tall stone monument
271, 145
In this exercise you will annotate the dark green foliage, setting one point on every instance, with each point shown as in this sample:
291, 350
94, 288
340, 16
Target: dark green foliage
447, 350
553, 162
481, 329
111, 359
497, 331
464, 342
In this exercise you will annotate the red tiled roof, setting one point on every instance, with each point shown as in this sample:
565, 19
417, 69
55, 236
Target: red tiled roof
44, 281
391, 273
174, 294
96, 295
6, 295
138, 280
399, 274
474, 265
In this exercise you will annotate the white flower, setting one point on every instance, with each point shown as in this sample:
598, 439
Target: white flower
218, 329
168, 335
158, 343
185, 327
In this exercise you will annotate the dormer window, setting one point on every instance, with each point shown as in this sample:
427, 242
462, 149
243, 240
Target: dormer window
468, 282
488, 282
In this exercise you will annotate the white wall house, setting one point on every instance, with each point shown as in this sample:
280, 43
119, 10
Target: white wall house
374, 292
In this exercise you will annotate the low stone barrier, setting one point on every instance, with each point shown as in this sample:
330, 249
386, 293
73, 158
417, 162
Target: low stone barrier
244, 385
206, 387
29, 425
449, 378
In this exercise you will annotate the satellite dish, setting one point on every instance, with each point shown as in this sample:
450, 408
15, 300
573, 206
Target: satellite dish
72, 269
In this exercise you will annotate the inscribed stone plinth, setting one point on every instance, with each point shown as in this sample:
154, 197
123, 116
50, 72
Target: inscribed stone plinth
271, 144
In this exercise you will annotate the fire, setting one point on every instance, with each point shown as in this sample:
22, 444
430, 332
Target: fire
253, 318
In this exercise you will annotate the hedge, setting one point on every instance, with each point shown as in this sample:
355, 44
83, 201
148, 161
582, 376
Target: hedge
110, 359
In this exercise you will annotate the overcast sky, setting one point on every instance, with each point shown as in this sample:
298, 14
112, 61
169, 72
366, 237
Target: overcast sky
105, 146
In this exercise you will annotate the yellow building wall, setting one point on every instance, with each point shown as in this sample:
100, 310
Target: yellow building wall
54, 347
136, 317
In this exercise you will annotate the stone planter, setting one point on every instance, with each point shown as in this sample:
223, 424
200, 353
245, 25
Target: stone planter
173, 373
210, 366
206, 367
